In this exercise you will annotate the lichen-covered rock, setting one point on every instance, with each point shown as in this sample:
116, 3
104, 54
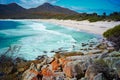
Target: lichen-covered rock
30, 73
63, 62
46, 72
90, 73
83, 78
68, 70
99, 77
51, 75
97, 67
102, 46
114, 54
84, 66
55, 65
73, 69
95, 52
39, 65
49, 60
117, 67
58, 76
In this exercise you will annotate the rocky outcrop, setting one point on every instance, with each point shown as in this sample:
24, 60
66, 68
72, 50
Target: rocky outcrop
47, 74
99, 77
101, 65
30, 73
73, 70
117, 67
55, 65
94, 70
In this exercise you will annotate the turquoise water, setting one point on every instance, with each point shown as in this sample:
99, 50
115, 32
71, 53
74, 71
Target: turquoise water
29, 39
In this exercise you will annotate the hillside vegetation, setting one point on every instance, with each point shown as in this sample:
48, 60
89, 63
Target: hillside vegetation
113, 35
49, 11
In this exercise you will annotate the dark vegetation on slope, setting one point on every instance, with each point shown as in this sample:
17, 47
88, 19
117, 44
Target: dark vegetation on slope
48, 11
113, 35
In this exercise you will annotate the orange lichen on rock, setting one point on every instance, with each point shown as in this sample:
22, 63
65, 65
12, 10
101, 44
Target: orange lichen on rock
33, 71
35, 78
68, 71
63, 61
55, 65
46, 72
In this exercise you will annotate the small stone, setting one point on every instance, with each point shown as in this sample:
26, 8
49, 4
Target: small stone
21, 69
49, 60
45, 51
52, 51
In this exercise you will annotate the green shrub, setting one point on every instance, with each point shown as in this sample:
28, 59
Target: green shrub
113, 35
112, 32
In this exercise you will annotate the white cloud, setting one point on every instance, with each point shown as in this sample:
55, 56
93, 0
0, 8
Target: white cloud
34, 3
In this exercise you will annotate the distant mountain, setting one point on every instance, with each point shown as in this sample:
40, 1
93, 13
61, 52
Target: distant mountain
11, 10
46, 10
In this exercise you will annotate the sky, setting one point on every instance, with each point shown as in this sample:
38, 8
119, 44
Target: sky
89, 6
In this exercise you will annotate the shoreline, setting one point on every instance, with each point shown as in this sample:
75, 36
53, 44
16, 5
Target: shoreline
98, 27
100, 62
76, 25
38, 21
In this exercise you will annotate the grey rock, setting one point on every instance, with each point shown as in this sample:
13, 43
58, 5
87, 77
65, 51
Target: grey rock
73, 69
83, 78
114, 54
103, 55
99, 77
95, 69
95, 51
117, 67
28, 75
49, 60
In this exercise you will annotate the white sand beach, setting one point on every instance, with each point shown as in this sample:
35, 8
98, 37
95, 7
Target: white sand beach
93, 27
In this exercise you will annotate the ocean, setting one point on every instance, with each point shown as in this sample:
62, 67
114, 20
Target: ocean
29, 39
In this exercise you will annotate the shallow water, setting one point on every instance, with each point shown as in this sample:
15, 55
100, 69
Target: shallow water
29, 39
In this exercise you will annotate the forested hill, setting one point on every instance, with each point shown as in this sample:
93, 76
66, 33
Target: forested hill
49, 11
46, 10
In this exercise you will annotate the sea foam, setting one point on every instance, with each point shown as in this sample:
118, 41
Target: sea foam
35, 38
